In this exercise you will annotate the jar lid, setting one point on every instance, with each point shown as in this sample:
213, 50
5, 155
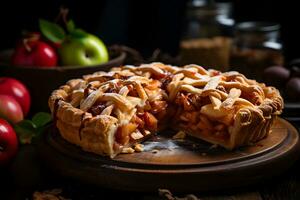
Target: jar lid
257, 26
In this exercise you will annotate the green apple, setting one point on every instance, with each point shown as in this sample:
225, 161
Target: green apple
75, 47
85, 50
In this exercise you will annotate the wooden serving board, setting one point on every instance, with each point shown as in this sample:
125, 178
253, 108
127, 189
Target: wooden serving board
180, 165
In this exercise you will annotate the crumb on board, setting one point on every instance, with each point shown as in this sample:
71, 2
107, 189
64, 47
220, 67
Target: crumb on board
139, 147
203, 154
179, 135
128, 150
147, 132
136, 135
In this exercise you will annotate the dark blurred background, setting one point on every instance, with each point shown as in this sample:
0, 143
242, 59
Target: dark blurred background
144, 25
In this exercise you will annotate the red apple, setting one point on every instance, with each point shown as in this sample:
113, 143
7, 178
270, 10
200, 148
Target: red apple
8, 142
293, 89
10, 109
34, 52
17, 90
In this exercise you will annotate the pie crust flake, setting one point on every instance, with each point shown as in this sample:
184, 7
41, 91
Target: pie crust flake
106, 112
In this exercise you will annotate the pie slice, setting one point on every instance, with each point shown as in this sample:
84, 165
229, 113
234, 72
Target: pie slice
106, 112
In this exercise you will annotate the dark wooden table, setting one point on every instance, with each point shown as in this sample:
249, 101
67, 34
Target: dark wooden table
16, 185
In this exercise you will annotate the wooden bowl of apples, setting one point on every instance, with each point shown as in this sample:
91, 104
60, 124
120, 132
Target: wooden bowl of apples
43, 65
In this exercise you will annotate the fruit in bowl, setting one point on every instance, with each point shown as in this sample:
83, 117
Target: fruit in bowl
91, 56
85, 50
56, 45
75, 46
31, 51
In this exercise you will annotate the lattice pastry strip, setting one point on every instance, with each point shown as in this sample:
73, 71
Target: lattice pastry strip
132, 102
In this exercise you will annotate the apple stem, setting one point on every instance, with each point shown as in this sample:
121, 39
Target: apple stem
25, 42
63, 13
1, 149
30, 38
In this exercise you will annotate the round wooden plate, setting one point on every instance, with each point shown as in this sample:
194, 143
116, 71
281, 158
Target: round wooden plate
180, 165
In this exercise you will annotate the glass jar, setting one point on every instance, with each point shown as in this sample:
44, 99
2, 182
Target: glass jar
256, 46
206, 37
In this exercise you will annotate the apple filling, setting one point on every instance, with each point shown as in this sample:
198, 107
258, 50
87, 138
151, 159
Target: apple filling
191, 116
138, 105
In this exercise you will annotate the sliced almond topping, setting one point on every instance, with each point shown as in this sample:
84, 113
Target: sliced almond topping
76, 97
120, 100
212, 83
124, 91
234, 93
107, 110
136, 135
215, 102
77, 84
90, 100
232, 97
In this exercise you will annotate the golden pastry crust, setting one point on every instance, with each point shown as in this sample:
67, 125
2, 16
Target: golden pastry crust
107, 111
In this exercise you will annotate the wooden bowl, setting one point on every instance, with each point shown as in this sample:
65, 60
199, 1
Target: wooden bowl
42, 81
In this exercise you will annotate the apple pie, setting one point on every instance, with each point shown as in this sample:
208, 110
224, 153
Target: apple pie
106, 112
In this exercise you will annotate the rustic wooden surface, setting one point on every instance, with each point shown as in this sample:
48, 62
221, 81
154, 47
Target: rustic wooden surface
176, 162
281, 186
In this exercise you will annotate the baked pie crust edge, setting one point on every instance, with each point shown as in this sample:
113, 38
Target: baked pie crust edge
96, 133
